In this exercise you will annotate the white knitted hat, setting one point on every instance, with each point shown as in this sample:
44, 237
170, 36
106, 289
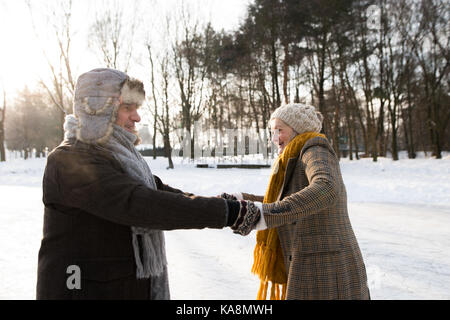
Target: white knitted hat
300, 117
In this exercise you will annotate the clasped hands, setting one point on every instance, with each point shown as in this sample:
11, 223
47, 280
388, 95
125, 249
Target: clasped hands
244, 216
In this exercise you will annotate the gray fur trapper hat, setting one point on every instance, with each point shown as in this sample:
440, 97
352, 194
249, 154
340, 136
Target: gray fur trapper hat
300, 117
97, 100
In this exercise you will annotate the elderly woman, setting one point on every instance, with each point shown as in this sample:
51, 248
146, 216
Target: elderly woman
309, 249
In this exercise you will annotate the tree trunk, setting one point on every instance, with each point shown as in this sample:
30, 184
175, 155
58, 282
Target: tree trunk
394, 146
326, 123
2, 129
336, 101
285, 73
412, 150
275, 89
168, 149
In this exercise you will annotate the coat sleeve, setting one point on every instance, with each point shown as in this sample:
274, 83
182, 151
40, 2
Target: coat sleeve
322, 171
252, 197
95, 186
164, 187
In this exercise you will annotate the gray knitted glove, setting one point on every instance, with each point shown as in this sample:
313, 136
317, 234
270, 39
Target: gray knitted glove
248, 217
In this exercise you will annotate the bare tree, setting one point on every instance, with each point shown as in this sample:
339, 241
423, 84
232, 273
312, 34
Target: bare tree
160, 81
162, 116
190, 73
431, 45
165, 122
154, 96
61, 86
366, 74
31, 123
2, 129
112, 34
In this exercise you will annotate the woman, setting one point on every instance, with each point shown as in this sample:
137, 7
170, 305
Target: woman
309, 250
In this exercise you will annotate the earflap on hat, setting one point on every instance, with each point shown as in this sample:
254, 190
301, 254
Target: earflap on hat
96, 116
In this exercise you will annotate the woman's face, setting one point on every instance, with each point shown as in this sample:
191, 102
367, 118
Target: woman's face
281, 134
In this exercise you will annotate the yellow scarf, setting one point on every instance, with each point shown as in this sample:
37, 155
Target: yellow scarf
268, 257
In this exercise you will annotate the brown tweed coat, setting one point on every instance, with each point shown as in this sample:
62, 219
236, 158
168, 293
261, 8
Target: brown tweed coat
321, 253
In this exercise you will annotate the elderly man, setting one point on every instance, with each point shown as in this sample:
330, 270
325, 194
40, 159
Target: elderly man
105, 210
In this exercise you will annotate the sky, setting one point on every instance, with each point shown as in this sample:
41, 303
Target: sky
22, 61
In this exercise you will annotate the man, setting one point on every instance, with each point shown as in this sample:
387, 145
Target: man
104, 210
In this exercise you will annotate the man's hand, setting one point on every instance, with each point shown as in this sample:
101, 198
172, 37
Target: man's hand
227, 196
248, 216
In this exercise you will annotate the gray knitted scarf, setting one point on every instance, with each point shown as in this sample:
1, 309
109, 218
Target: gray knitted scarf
151, 260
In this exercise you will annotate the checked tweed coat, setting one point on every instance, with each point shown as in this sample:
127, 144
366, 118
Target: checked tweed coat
321, 253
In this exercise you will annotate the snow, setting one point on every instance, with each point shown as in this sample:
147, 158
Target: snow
400, 212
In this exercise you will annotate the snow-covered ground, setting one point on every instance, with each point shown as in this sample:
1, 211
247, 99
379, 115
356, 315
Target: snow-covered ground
400, 212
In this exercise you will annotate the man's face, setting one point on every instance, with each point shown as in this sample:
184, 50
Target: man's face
281, 134
127, 116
